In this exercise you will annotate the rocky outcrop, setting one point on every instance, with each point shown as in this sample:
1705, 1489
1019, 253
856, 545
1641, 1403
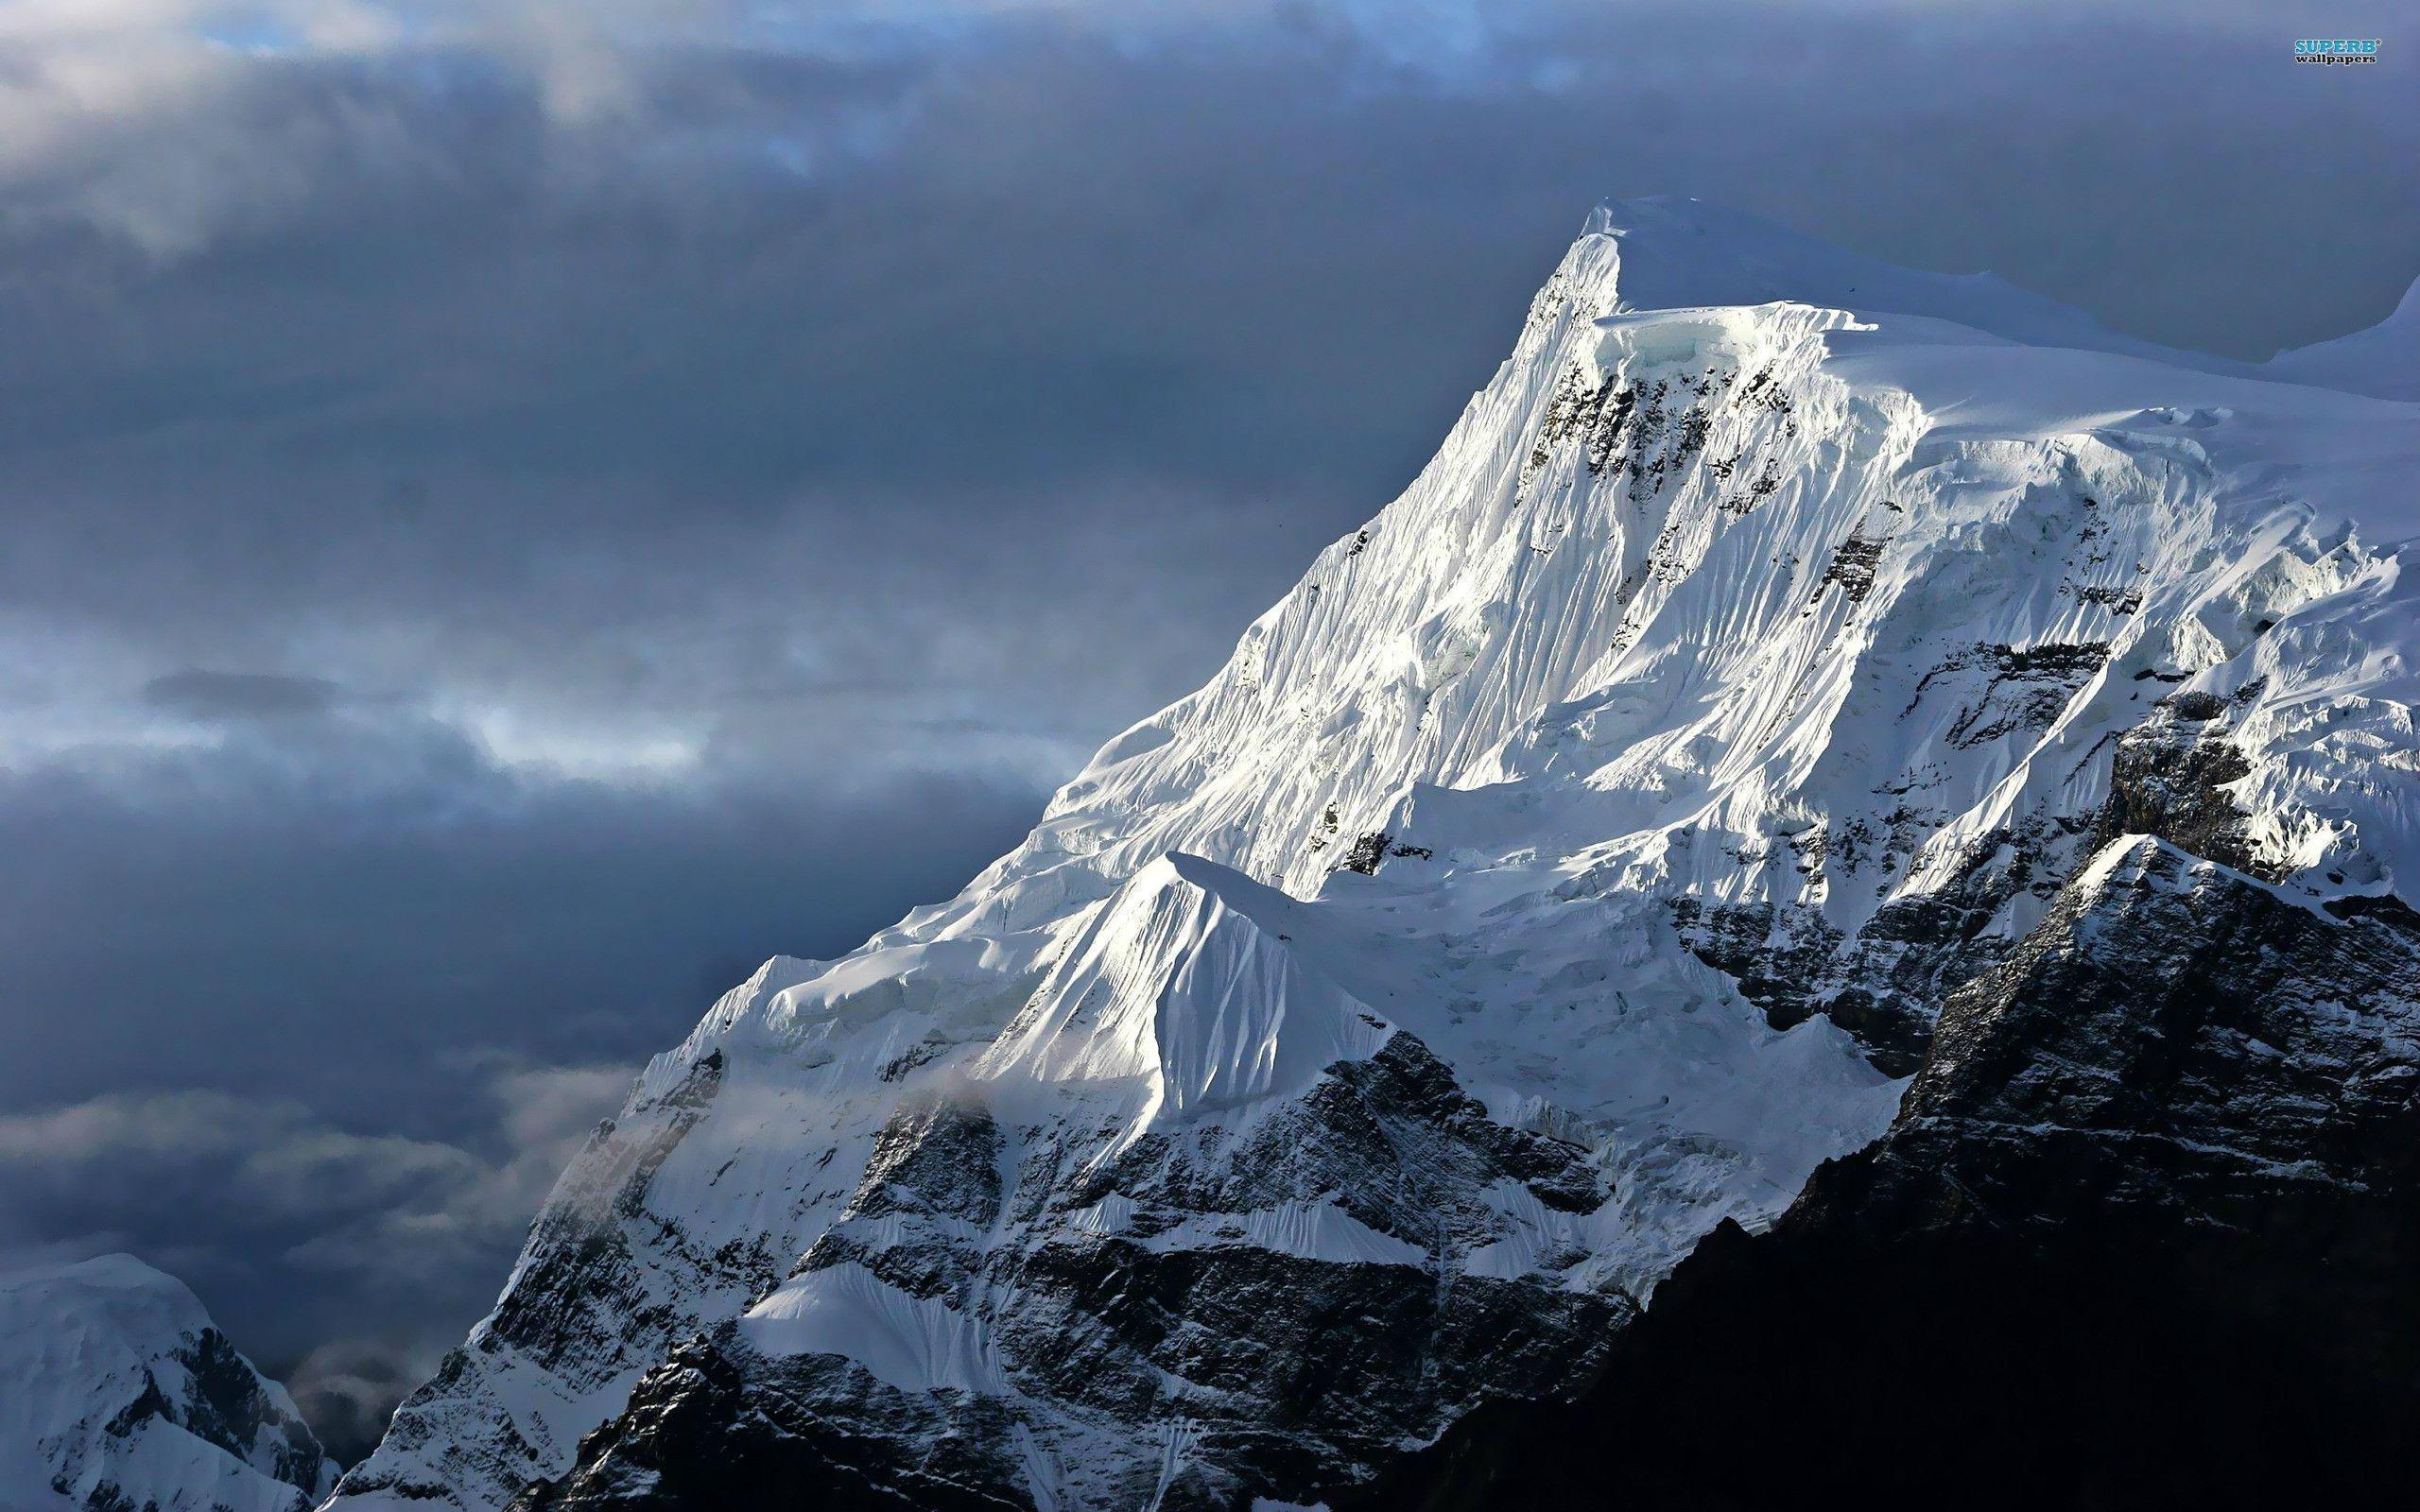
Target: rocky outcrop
2168, 778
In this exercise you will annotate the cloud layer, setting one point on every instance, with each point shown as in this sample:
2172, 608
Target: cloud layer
357, 1234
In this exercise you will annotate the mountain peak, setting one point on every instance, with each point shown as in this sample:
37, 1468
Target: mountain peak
1681, 254
1575, 861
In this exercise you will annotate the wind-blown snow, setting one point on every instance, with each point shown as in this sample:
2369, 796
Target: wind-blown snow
1177, 986
1763, 584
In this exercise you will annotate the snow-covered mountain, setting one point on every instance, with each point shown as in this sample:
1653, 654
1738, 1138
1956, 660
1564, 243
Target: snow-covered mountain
1577, 858
118, 1394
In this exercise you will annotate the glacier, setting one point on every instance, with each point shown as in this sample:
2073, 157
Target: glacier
1574, 861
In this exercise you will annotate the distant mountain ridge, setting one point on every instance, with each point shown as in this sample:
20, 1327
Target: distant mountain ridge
118, 1394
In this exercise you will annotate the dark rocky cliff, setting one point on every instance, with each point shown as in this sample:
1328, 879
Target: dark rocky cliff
2145, 1234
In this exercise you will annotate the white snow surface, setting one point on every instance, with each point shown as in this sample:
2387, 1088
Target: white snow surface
1177, 986
81, 1343
1566, 695
913, 1343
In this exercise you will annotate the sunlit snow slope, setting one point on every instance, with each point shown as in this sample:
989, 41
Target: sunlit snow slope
1577, 856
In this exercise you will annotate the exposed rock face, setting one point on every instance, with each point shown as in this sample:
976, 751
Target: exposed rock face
2142, 1236
1157, 1273
118, 1394
2168, 778
1782, 647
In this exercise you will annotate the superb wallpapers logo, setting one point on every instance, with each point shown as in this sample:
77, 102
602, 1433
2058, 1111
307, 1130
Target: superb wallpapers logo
2336, 50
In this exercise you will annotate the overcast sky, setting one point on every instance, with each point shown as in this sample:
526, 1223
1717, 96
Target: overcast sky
512, 511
